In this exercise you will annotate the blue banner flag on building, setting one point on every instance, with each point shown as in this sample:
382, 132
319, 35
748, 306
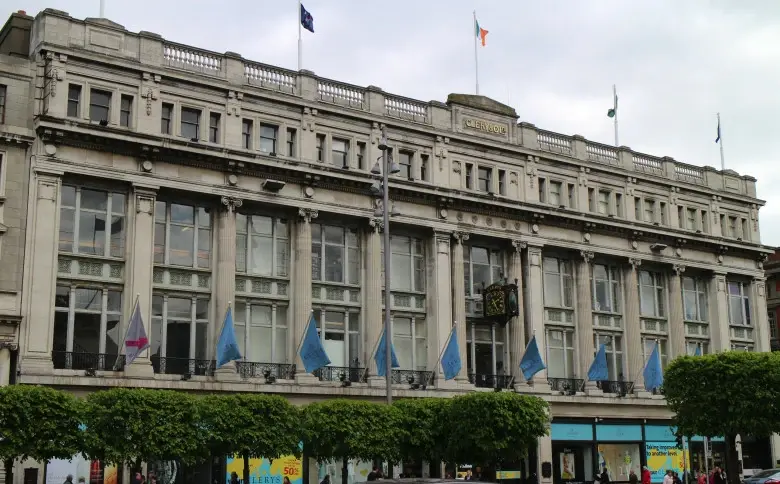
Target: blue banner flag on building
307, 21
532, 363
380, 356
227, 346
313, 354
599, 371
717, 138
450, 359
698, 350
653, 373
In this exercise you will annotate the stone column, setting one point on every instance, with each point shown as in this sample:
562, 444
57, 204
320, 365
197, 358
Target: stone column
676, 322
5, 365
459, 301
43, 234
545, 455
439, 297
584, 320
758, 302
226, 276
373, 297
141, 266
534, 310
302, 292
517, 325
719, 313
632, 336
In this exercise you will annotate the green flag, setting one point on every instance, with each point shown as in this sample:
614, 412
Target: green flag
612, 112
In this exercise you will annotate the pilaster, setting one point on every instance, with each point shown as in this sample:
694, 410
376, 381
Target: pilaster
5, 364
633, 332
302, 281
440, 301
517, 324
226, 275
55, 95
719, 313
584, 329
44, 230
676, 322
759, 313
141, 262
373, 294
149, 105
535, 314
308, 139
459, 301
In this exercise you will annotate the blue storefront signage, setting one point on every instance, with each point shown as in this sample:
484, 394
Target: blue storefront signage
572, 431
619, 433
660, 433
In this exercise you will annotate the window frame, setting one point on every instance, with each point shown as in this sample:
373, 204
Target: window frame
104, 312
245, 324
126, 110
76, 103
92, 104
660, 301
164, 318
561, 276
744, 296
700, 290
468, 261
340, 155
198, 112
291, 142
346, 247
215, 123
648, 344
109, 213
197, 229
247, 133
614, 283
274, 142
611, 341
498, 346
166, 124
414, 256
414, 339
277, 241
569, 349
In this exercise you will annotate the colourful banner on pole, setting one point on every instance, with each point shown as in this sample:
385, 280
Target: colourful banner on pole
663, 456
262, 471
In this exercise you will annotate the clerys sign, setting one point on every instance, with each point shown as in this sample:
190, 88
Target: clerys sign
485, 126
500, 302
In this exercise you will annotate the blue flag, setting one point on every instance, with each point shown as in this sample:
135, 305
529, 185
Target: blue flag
227, 346
599, 371
313, 354
379, 356
532, 363
307, 21
718, 138
653, 373
450, 359
698, 351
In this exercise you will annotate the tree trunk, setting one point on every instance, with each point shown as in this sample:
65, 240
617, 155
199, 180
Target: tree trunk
732, 460
246, 467
9, 471
345, 471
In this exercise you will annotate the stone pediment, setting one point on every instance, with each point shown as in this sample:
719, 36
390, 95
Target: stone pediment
481, 103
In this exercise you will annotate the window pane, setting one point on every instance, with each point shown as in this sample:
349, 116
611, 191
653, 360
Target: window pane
262, 255
92, 233
67, 228
94, 200
183, 214
552, 290
334, 263
401, 272
181, 246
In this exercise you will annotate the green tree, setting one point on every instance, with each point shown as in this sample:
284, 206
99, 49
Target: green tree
423, 423
250, 425
128, 426
493, 428
349, 429
38, 422
725, 394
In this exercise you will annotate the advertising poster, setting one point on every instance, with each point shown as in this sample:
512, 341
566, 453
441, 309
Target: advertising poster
663, 456
93, 472
262, 471
620, 460
567, 465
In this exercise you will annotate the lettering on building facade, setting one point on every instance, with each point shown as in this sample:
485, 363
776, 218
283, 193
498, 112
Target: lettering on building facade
485, 126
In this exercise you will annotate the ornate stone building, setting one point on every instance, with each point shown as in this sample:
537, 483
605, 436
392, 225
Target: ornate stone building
193, 180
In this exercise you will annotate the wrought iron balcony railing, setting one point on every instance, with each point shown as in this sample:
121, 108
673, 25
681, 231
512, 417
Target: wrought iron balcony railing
350, 374
183, 366
279, 371
616, 387
418, 378
79, 360
566, 385
481, 380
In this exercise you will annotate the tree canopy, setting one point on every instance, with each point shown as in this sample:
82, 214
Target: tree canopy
38, 422
132, 425
422, 423
725, 394
350, 429
492, 428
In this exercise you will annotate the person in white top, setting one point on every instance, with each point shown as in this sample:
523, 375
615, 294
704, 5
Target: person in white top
668, 478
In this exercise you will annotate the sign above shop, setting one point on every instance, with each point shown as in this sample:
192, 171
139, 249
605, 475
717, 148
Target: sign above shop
485, 126
500, 302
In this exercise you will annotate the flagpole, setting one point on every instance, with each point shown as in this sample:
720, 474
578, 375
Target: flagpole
102, 8
614, 106
476, 59
720, 142
300, 39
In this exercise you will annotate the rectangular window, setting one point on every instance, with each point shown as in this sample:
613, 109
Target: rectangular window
424, 168
246, 133
606, 289
99, 105
694, 292
650, 211
78, 313
74, 101
125, 111
291, 132
482, 267
648, 345
410, 342
558, 283
771, 317
681, 217
560, 353
555, 193
85, 216
340, 335
335, 254
264, 338
262, 245
618, 205
542, 190
182, 235
407, 261
572, 195
652, 294
268, 134
320, 140
733, 227
486, 353
739, 304
502, 182
214, 121
745, 232
469, 176
691, 348
603, 202
484, 179
405, 163
613, 346
638, 209
180, 327
339, 152
662, 213
705, 226
361, 155
166, 118
190, 123
692, 216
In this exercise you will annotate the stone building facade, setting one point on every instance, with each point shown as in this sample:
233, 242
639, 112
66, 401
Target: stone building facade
190, 180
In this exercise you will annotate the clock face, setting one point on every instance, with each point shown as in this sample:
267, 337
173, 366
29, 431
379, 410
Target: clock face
495, 303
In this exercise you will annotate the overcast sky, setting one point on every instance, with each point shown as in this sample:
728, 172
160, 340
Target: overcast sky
676, 63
